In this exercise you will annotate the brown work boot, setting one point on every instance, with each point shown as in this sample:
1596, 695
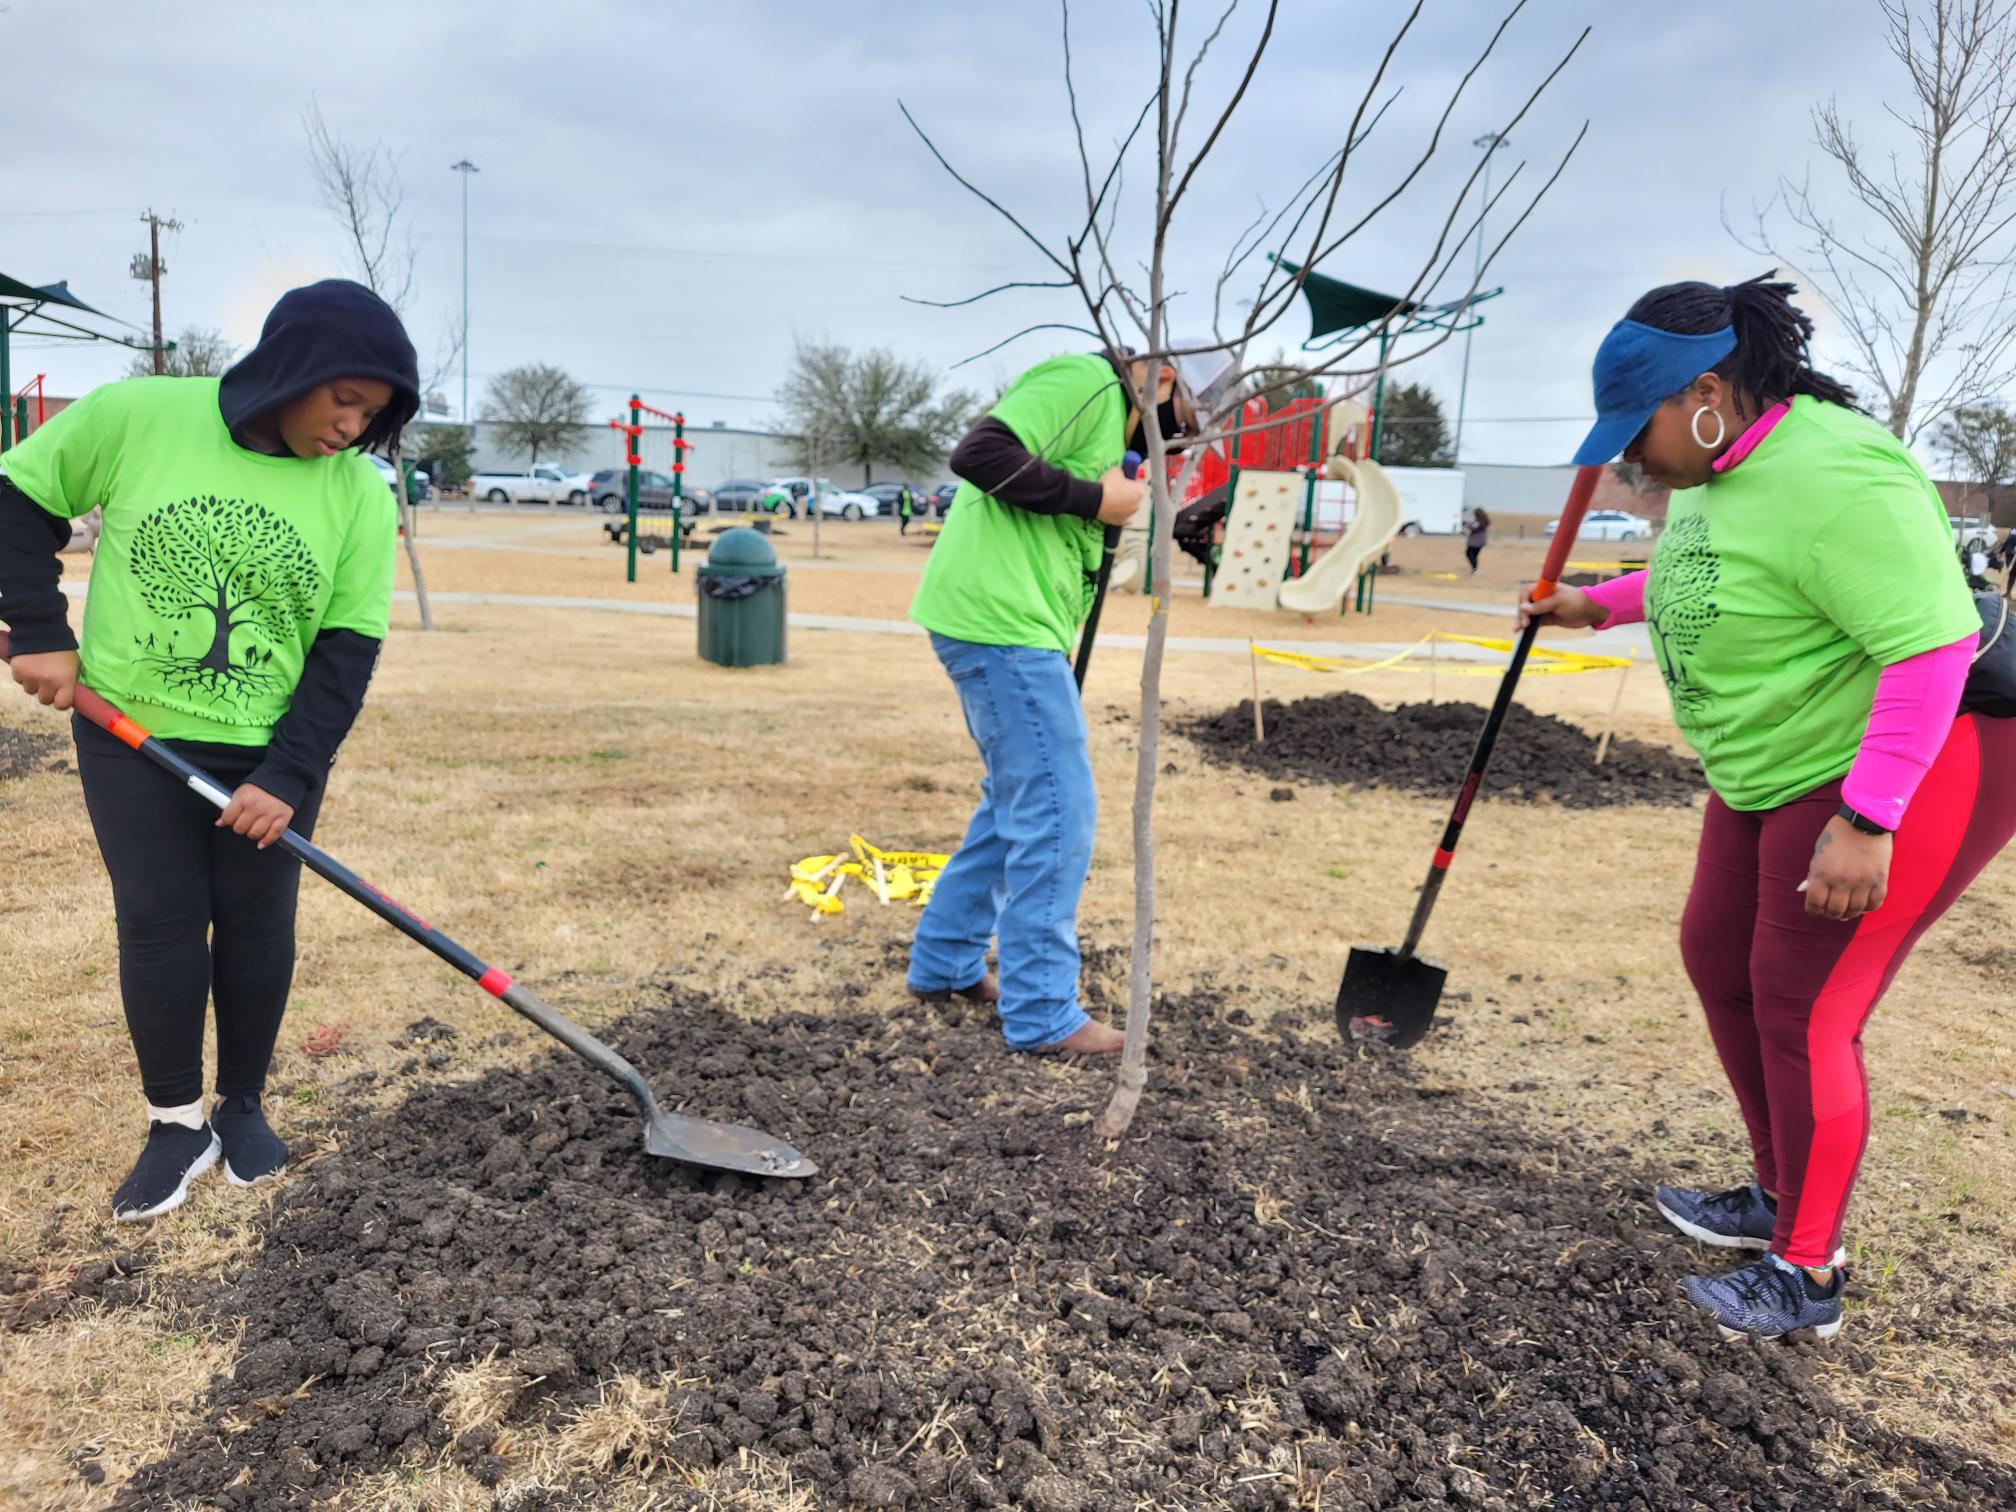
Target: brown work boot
986, 991
1089, 1038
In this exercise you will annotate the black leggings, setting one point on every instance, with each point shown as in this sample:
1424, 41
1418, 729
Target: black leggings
1473, 552
201, 912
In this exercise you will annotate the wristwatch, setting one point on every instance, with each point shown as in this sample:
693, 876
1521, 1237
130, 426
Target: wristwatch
1861, 821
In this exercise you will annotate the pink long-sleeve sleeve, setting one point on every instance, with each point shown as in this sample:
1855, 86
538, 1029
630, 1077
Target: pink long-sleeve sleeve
1624, 597
1909, 721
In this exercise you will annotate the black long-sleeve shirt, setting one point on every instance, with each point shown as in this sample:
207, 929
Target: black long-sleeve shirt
993, 459
335, 675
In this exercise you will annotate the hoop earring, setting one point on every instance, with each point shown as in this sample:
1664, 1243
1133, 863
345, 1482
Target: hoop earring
1721, 427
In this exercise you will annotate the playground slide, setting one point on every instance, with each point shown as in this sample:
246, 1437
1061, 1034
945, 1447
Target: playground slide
1332, 575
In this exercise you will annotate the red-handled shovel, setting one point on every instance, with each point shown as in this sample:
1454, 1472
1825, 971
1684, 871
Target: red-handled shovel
696, 1141
1391, 995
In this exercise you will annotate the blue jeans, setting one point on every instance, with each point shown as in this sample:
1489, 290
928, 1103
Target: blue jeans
1022, 865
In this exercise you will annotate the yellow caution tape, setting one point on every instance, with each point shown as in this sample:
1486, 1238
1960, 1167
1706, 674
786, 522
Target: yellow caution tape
893, 876
1544, 661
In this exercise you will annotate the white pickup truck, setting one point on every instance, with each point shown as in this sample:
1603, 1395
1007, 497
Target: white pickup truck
544, 484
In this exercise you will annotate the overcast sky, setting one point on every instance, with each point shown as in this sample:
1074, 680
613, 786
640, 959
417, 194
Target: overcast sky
672, 194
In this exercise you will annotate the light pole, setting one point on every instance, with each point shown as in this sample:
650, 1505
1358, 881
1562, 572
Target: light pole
465, 168
1491, 141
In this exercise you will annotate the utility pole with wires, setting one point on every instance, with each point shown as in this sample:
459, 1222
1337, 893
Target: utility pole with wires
148, 266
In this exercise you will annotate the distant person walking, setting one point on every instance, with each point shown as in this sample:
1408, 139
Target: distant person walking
903, 510
1479, 537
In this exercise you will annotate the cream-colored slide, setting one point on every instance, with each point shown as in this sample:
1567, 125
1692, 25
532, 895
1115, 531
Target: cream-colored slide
1331, 576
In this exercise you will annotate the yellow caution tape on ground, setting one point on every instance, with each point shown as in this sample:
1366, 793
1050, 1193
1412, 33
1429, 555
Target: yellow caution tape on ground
893, 876
1544, 660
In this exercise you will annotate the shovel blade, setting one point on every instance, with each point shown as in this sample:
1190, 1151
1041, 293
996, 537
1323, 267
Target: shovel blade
723, 1147
1388, 997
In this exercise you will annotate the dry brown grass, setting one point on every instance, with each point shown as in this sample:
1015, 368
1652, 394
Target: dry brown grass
576, 796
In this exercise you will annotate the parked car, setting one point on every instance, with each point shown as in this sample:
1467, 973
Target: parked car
422, 484
610, 489
787, 496
737, 495
1611, 525
542, 484
940, 498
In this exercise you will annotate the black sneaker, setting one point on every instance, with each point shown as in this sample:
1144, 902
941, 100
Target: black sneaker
1740, 1218
175, 1156
252, 1151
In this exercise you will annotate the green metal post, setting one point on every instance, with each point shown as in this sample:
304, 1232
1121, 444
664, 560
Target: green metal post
678, 480
1379, 400
6, 387
630, 451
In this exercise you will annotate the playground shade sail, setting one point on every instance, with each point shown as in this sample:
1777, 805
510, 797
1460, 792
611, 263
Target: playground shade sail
1335, 305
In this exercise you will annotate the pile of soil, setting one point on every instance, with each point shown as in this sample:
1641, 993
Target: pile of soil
1306, 1278
1425, 748
23, 752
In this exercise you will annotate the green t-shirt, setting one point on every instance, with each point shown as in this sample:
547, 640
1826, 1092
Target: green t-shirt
1780, 590
1001, 576
216, 566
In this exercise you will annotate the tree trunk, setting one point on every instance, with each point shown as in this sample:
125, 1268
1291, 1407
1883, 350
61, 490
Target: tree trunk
218, 658
408, 520
1133, 1075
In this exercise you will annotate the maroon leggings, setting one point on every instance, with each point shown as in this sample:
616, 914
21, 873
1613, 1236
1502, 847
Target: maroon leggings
1787, 993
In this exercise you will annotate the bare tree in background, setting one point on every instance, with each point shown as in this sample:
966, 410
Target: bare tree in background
196, 353
1922, 269
1313, 222
535, 405
860, 408
363, 190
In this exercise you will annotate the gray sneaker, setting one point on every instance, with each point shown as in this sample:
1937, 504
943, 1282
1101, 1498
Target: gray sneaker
1769, 1299
1739, 1218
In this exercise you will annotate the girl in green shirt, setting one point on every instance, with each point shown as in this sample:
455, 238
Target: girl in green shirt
238, 597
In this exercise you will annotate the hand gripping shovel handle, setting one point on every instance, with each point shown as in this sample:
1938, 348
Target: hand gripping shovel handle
1131, 465
490, 978
1565, 532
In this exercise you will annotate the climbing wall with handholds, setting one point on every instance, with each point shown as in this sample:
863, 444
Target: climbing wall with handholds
1258, 533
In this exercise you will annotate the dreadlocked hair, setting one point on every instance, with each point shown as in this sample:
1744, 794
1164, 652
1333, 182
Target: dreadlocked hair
1773, 358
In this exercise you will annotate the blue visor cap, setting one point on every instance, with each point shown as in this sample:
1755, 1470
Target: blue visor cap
1637, 369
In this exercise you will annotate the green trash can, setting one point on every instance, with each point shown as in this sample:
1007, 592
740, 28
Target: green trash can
741, 602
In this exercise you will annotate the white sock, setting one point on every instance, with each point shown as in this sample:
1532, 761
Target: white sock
189, 1115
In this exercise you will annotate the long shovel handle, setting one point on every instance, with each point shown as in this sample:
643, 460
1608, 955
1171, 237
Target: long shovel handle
1131, 464
491, 979
1565, 532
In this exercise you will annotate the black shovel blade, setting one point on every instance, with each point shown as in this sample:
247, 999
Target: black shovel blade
724, 1147
1388, 997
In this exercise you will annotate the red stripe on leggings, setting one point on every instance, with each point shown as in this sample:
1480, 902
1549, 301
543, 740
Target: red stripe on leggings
1927, 845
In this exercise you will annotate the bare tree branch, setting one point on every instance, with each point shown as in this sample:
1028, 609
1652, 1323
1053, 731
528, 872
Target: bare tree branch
1920, 283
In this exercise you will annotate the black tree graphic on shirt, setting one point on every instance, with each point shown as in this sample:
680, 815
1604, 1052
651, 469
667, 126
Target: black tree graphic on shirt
1682, 607
226, 566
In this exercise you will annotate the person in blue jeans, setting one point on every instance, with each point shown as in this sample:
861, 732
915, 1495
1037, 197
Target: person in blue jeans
1008, 585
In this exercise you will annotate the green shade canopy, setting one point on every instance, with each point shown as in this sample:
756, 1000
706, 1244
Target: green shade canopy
13, 291
1335, 305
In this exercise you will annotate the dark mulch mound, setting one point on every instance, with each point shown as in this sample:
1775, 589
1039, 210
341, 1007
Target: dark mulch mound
1304, 1267
23, 752
1425, 748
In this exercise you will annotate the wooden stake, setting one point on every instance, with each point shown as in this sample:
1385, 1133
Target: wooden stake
1259, 720
1603, 744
